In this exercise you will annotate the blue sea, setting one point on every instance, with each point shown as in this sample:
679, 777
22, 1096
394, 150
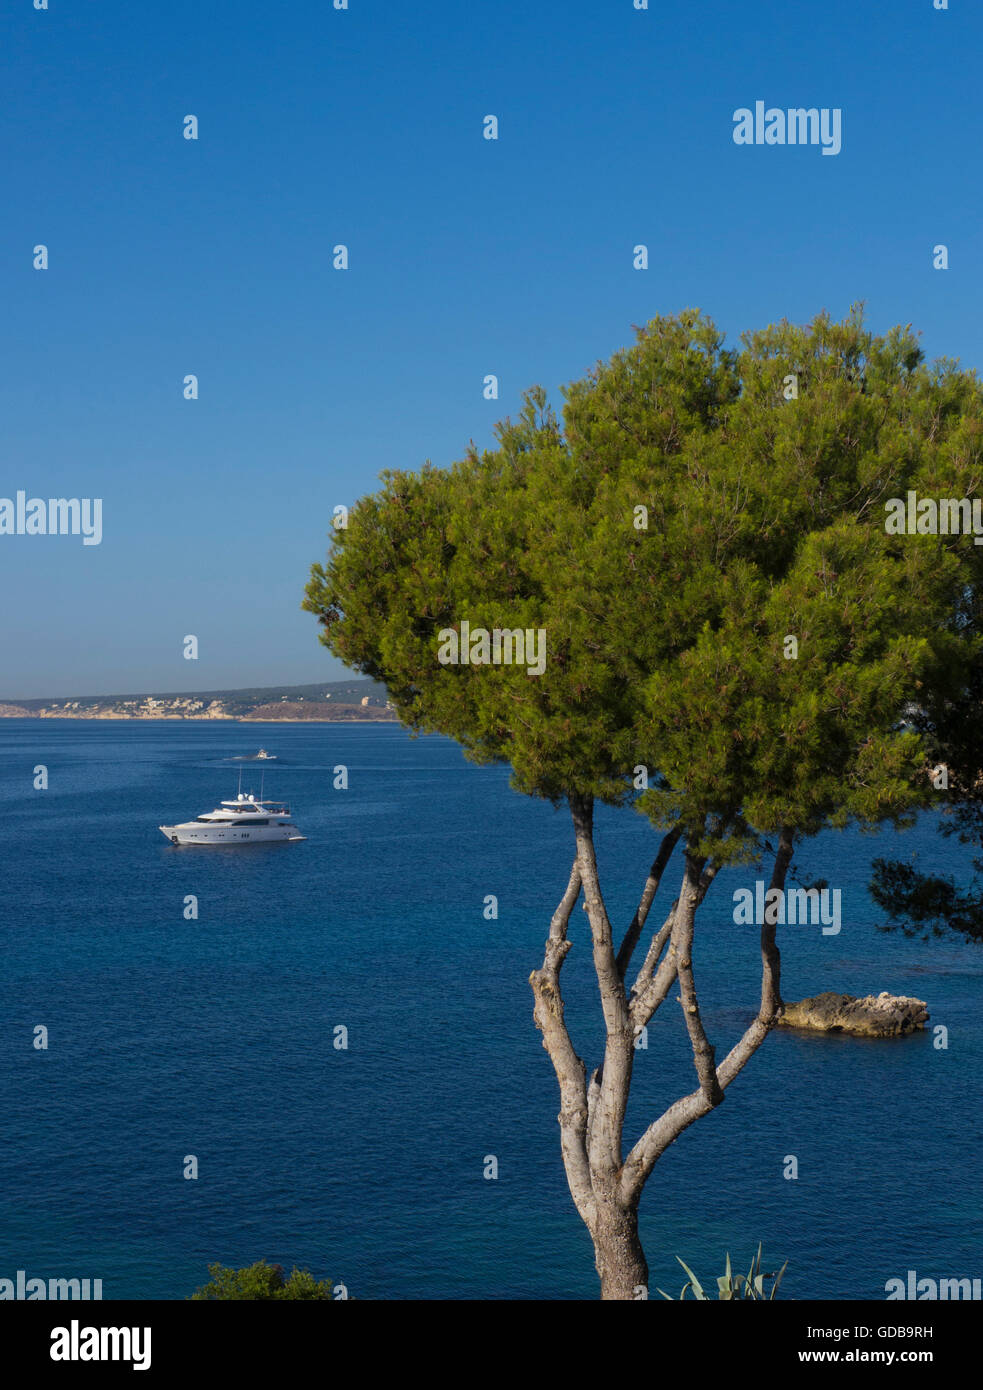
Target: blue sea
215, 1037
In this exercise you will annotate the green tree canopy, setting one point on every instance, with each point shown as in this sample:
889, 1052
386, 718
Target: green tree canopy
735, 642
665, 643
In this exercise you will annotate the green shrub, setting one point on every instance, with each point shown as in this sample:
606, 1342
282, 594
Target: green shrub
261, 1280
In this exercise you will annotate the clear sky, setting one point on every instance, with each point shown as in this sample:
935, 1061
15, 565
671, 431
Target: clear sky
468, 256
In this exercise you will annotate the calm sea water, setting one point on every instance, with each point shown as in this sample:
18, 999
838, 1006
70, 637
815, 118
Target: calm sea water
215, 1037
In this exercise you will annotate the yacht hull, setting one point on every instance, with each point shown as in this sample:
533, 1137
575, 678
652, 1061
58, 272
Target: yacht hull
195, 833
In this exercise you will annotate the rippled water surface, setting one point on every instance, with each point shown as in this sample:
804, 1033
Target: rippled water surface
216, 1037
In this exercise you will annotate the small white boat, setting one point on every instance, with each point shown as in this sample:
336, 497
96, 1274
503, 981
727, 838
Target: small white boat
263, 756
242, 821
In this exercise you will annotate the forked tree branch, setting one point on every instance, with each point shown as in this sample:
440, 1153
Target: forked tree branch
652, 986
656, 947
632, 935
571, 1074
682, 945
608, 1096
679, 1116
771, 969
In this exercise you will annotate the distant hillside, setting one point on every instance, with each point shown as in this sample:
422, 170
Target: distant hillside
335, 700
320, 709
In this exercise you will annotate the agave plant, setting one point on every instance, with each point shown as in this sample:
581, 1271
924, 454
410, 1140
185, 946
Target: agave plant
734, 1286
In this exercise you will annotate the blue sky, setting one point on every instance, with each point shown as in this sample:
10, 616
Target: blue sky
468, 257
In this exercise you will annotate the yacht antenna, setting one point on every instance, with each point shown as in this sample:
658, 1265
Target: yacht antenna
262, 781
240, 781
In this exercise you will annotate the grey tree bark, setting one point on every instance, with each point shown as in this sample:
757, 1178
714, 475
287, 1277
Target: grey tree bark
606, 1185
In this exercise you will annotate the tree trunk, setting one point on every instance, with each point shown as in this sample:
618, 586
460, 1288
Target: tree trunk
606, 1187
618, 1254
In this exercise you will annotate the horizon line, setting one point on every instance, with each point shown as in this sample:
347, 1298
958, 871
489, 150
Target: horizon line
225, 690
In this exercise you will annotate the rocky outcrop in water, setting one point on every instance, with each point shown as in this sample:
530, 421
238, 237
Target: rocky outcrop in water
875, 1016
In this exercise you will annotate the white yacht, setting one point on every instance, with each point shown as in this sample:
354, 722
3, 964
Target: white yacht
264, 757
242, 821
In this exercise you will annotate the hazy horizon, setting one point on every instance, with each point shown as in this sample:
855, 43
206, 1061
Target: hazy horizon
189, 690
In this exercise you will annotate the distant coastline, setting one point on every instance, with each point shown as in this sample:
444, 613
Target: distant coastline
339, 702
339, 718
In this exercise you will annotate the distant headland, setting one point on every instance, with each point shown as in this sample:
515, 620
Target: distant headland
355, 701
